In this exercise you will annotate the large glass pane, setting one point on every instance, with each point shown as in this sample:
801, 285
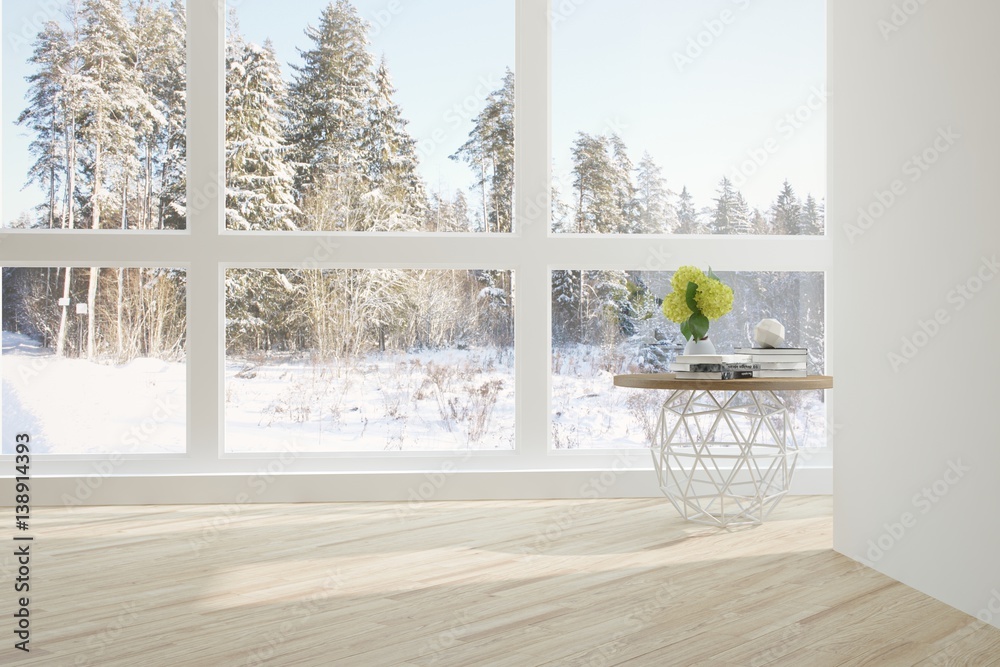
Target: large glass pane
609, 322
703, 117
94, 114
369, 360
93, 359
363, 115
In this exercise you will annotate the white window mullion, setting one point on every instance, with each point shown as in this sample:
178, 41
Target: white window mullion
206, 174
532, 192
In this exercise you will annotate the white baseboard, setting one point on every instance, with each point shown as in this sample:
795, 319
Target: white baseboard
411, 487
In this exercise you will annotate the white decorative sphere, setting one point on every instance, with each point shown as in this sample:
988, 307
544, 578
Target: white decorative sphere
769, 333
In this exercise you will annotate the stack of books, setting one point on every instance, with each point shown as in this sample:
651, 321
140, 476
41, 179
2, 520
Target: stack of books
713, 367
776, 362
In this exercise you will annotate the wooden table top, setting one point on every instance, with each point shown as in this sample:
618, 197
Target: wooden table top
668, 381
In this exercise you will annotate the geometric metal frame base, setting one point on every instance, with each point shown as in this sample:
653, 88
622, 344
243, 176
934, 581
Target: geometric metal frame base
724, 458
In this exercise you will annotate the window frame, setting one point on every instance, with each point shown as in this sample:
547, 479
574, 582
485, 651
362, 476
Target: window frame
205, 249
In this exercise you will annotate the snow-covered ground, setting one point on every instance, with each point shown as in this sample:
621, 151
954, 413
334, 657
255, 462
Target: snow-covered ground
426, 400
74, 406
588, 412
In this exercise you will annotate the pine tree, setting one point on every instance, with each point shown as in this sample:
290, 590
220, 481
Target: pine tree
566, 306
113, 98
171, 96
687, 215
448, 216
490, 152
656, 215
158, 56
731, 214
612, 305
259, 180
397, 195
329, 97
742, 217
786, 212
759, 223
813, 217
598, 187
45, 114
625, 192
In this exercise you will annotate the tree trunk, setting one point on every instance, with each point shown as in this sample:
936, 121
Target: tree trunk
63, 316
482, 187
147, 213
95, 272
121, 281
67, 224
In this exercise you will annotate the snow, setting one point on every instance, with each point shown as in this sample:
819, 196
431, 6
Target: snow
74, 406
428, 400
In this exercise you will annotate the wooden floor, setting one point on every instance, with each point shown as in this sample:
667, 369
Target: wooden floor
595, 583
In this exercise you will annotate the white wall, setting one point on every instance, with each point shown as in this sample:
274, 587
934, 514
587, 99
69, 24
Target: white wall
900, 430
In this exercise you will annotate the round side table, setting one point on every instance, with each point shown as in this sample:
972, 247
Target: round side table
724, 450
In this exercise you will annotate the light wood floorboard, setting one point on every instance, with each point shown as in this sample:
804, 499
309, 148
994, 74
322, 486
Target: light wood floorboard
456, 584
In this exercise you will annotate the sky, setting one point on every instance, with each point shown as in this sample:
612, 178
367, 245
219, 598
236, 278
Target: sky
701, 85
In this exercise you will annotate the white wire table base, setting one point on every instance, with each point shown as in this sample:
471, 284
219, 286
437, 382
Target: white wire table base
724, 458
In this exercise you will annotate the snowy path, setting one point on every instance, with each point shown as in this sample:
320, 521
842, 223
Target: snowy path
73, 406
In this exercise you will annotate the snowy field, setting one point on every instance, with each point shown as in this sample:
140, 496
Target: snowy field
428, 400
74, 406
424, 401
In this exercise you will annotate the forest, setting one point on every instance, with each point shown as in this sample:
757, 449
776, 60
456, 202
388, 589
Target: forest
320, 146
323, 145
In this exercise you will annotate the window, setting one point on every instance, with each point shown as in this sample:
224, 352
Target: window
700, 118
607, 322
372, 285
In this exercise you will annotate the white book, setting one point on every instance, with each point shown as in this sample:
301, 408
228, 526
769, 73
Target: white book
770, 351
713, 359
781, 365
780, 374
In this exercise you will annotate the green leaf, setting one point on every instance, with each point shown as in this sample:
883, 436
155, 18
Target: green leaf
686, 329
692, 289
711, 274
699, 326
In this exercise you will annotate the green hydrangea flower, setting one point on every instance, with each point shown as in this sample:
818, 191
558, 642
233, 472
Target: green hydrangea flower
712, 299
675, 307
685, 275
